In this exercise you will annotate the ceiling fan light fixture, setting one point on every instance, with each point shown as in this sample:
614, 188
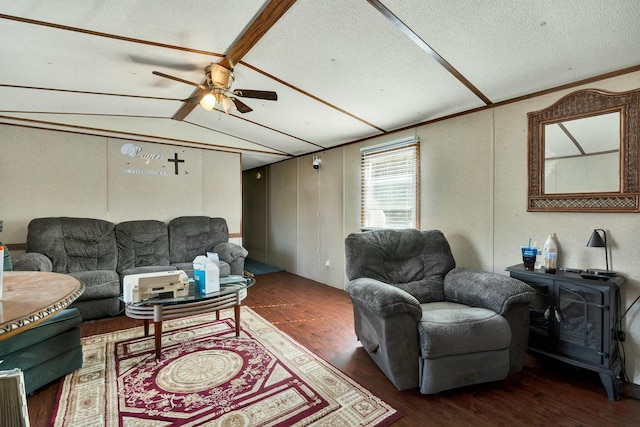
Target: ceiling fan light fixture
228, 105
218, 76
208, 102
217, 92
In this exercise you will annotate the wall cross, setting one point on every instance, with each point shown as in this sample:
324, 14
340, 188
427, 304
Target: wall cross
175, 161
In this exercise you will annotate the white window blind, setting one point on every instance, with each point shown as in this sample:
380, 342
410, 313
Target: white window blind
390, 185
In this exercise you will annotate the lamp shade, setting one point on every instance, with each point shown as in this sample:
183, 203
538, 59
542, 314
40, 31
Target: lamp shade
228, 105
595, 241
208, 102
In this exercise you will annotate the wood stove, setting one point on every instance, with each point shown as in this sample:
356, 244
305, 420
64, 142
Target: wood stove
576, 320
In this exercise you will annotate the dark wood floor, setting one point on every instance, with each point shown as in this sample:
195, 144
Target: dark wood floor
320, 318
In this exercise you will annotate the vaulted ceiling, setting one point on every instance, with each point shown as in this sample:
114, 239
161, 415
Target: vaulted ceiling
343, 70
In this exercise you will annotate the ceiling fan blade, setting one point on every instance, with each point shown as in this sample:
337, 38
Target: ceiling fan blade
257, 94
241, 106
194, 99
165, 63
178, 79
188, 107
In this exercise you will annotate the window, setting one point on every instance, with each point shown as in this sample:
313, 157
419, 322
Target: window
390, 185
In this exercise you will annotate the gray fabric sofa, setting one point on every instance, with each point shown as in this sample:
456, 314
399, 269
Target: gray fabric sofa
100, 253
428, 324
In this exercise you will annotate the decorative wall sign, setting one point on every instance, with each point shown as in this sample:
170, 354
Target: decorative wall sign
139, 160
159, 178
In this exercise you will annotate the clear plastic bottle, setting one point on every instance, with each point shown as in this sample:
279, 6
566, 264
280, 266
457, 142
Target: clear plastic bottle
550, 254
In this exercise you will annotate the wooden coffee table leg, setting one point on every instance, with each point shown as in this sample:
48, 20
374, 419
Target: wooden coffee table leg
237, 313
157, 328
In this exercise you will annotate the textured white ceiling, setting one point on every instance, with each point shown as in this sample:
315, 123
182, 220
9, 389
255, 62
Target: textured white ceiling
342, 70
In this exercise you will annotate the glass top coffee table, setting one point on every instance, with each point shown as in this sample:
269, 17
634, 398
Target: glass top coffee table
157, 309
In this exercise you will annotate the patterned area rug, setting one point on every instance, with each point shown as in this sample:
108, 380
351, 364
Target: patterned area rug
208, 377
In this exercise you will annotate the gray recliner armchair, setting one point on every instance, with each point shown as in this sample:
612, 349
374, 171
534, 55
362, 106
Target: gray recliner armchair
428, 324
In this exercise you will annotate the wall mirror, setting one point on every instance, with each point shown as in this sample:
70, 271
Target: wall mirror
583, 154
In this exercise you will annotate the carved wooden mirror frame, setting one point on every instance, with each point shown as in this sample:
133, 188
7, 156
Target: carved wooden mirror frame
585, 103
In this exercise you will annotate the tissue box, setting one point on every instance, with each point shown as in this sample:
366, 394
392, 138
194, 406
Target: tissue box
206, 275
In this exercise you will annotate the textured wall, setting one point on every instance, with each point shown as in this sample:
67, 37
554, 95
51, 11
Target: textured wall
45, 173
473, 188
514, 226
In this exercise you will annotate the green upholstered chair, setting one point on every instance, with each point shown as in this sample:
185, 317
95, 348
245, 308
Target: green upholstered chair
46, 351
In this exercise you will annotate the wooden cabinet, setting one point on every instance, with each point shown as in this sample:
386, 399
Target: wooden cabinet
576, 320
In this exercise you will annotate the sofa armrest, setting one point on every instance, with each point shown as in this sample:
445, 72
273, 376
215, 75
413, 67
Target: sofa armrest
487, 290
33, 261
382, 299
230, 252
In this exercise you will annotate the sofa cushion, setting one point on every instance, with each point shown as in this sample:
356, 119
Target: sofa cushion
74, 244
142, 243
92, 309
33, 261
190, 236
448, 328
98, 284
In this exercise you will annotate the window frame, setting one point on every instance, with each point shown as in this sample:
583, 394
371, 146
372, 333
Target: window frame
371, 153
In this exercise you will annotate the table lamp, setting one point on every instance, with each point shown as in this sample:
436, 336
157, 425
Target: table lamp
595, 241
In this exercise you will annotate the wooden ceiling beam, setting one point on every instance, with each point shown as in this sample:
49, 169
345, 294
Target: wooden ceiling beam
427, 49
266, 18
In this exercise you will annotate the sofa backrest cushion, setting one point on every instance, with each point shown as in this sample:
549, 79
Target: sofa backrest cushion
413, 260
190, 236
142, 243
74, 244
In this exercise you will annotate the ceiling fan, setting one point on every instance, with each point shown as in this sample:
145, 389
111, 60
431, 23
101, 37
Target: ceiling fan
217, 90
